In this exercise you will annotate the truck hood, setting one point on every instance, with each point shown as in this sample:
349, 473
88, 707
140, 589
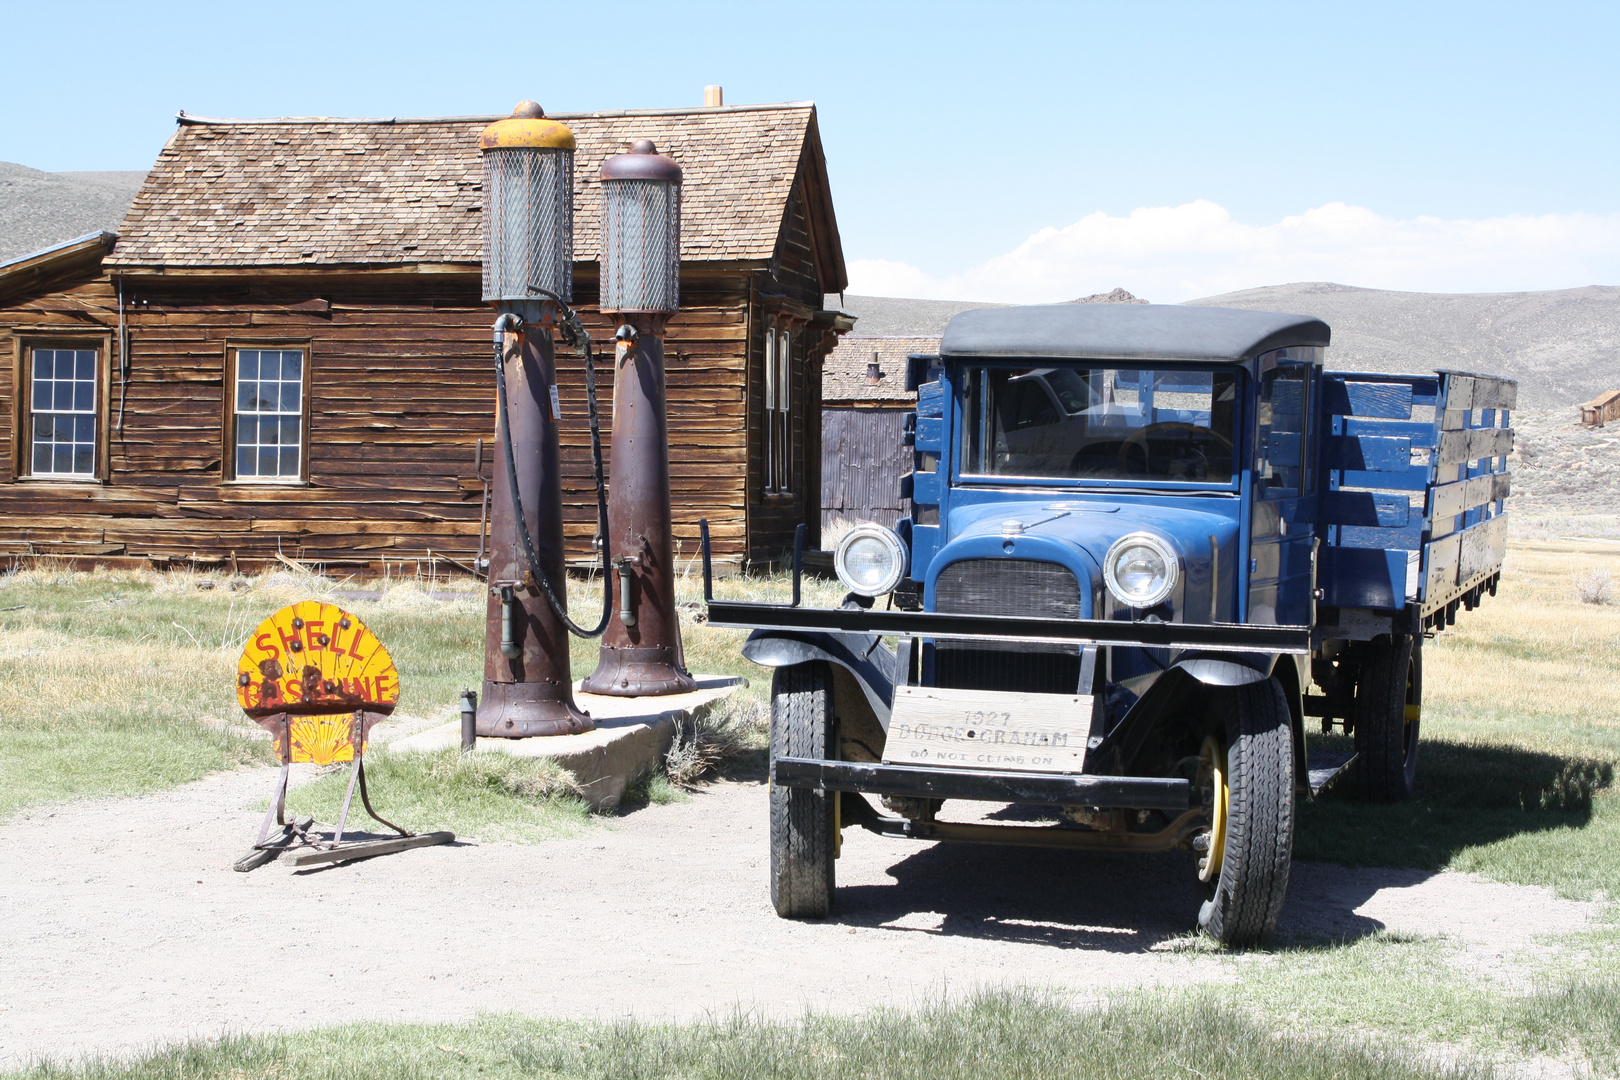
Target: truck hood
1078, 535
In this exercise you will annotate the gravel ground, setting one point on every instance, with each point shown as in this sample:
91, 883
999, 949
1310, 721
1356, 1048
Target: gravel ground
125, 926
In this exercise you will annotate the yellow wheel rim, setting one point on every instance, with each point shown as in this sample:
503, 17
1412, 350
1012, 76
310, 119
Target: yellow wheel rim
1213, 759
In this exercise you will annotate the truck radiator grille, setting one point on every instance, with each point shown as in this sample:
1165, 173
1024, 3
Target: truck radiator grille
1007, 587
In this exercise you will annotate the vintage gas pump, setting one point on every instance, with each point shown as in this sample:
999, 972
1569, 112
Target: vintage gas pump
528, 276
640, 283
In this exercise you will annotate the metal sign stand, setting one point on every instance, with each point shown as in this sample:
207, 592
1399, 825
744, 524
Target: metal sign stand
301, 662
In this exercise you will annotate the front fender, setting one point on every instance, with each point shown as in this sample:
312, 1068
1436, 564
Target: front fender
1226, 668
864, 656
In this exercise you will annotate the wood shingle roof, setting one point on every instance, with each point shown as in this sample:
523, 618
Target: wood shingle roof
318, 192
845, 372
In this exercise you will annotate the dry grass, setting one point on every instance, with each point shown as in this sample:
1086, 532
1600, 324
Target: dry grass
737, 729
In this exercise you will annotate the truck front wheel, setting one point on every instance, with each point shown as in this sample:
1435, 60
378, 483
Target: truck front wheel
803, 825
1389, 700
1246, 779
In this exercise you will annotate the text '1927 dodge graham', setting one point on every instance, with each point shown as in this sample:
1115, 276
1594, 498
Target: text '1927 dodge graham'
1145, 544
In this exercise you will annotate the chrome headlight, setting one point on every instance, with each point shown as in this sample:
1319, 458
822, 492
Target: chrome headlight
1140, 570
870, 560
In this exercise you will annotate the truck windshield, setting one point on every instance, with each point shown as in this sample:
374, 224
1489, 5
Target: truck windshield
1086, 422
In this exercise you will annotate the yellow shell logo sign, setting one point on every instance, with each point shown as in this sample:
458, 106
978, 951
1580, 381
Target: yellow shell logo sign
317, 665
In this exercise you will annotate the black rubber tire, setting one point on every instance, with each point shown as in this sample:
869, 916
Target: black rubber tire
803, 830
1386, 744
1259, 848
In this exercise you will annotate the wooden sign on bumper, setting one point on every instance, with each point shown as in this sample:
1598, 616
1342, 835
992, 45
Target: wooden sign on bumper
987, 729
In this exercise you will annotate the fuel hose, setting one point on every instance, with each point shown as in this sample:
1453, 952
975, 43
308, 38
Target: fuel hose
574, 334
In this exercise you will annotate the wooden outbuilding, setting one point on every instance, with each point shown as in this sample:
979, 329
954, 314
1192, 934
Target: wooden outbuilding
1601, 409
864, 402
284, 350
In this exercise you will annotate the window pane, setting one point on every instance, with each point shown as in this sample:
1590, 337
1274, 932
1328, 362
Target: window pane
268, 396
42, 457
289, 461
290, 393
267, 462
247, 364
64, 363
247, 430
84, 429
85, 364
42, 363
63, 428
62, 459
63, 396
244, 461
292, 365
244, 396
84, 396
83, 459
269, 365
289, 431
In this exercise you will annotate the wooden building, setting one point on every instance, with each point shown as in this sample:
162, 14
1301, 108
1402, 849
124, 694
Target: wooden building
1601, 409
284, 350
864, 402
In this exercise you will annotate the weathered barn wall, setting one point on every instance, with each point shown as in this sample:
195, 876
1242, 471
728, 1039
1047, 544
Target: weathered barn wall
863, 458
400, 389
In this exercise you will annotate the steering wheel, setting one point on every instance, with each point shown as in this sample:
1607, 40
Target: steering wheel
1139, 439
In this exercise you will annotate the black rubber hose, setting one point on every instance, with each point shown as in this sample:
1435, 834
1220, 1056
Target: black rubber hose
577, 336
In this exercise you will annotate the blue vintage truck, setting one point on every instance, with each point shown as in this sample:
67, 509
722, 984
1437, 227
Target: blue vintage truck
1148, 545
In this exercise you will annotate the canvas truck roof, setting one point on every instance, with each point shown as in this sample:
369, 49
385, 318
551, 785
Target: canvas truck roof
1128, 331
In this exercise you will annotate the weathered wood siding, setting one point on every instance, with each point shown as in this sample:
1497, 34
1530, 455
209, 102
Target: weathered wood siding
861, 465
399, 390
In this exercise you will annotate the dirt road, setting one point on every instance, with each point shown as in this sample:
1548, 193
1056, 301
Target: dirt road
124, 924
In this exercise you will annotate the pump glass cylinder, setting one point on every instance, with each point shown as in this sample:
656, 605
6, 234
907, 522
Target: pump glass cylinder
641, 242
528, 222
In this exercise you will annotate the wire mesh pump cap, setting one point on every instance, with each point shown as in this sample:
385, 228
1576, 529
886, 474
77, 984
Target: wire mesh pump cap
643, 162
526, 129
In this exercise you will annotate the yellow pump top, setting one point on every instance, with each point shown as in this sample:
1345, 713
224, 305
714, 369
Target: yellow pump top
527, 129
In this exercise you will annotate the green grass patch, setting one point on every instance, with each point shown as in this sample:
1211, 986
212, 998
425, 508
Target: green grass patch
1025, 1035
484, 795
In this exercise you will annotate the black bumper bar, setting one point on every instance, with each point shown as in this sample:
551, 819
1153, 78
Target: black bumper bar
1042, 789
1211, 637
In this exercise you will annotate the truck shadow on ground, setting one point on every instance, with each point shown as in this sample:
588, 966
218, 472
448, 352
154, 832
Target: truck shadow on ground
1345, 852
1469, 795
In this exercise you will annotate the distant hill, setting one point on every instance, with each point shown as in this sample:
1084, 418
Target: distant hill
1563, 346
38, 209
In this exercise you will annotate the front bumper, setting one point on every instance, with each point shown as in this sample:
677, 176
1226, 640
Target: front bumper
1197, 637
1040, 789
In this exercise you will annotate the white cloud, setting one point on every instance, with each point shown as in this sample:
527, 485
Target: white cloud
1173, 253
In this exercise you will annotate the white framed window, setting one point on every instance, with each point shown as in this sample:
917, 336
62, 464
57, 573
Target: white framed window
267, 421
64, 412
778, 411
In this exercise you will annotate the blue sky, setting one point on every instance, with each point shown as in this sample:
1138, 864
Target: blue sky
1009, 151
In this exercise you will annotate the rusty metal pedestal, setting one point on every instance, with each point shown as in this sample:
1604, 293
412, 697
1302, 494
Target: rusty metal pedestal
641, 649
532, 693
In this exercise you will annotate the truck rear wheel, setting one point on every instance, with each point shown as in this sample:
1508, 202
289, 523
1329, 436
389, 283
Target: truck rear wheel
803, 820
1389, 700
1247, 780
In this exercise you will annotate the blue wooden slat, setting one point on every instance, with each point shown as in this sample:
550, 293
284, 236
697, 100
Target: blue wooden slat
1360, 536
1367, 453
1367, 508
1420, 433
930, 433
1415, 478
1362, 578
1343, 397
931, 399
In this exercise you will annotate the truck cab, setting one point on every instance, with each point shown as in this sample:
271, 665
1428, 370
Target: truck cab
1146, 542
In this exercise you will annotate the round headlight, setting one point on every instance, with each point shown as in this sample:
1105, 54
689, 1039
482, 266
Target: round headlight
870, 560
1140, 570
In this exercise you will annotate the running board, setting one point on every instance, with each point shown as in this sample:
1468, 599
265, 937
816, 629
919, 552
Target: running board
1324, 766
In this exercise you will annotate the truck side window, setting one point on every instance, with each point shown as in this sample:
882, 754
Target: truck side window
1279, 472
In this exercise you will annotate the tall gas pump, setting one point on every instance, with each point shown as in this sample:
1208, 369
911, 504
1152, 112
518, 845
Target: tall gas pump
528, 275
640, 284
